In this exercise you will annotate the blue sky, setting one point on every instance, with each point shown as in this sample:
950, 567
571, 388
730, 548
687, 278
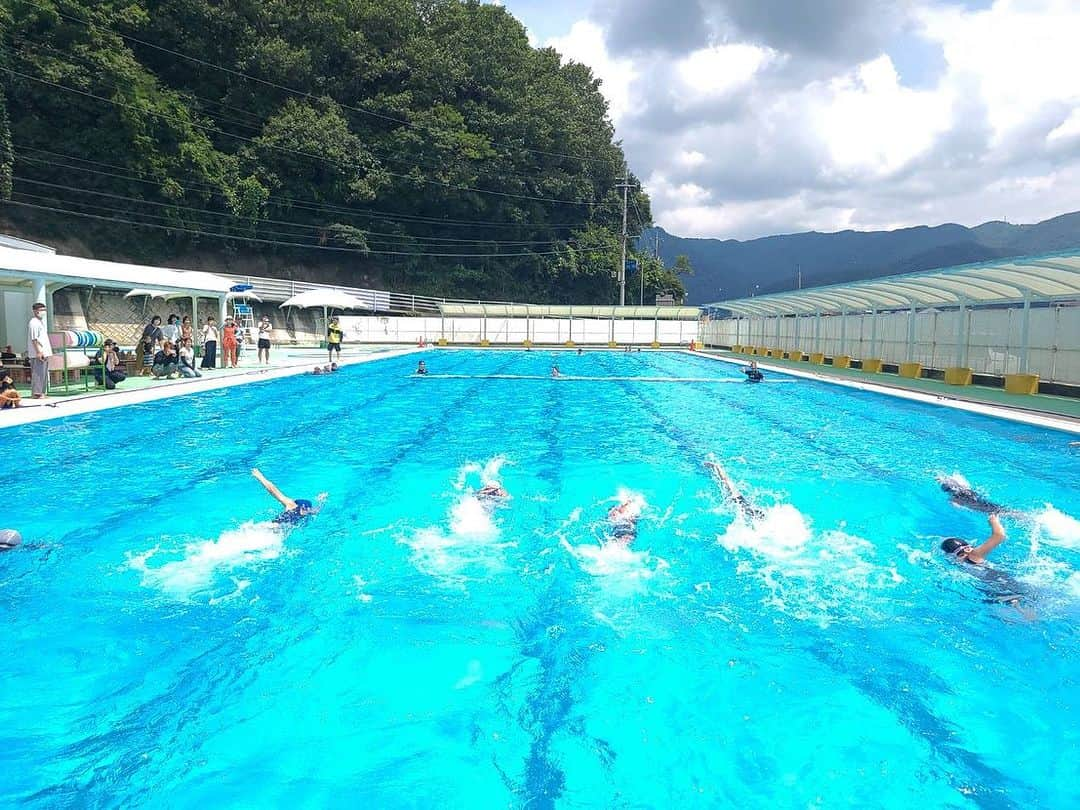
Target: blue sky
750, 117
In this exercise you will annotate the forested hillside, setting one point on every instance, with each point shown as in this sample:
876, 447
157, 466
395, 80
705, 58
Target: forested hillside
420, 143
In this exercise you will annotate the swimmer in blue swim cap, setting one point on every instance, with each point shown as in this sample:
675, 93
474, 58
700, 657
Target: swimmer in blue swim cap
296, 509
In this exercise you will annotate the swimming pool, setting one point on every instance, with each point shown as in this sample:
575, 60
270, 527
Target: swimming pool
162, 643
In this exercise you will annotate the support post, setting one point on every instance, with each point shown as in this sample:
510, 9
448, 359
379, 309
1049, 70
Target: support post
817, 330
1025, 333
911, 335
961, 336
873, 332
843, 331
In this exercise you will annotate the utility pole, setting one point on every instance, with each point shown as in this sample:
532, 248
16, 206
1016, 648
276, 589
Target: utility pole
622, 267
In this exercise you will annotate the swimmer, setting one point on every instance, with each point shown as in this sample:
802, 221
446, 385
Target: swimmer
296, 509
491, 492
961, 494
753, 373
623, 519
1000, 586
421, 368
555, 371
579, 351
746, 509
317, 370
9, 539
334, 366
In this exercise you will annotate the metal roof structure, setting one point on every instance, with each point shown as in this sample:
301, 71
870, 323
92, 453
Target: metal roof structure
20, 268
569, 311
1002, 281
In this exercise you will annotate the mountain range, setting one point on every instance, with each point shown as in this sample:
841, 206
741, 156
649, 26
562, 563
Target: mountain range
729, 268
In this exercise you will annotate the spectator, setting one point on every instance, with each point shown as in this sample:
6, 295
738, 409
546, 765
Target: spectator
264, 340
166, 362
39, 350
187, 359
333, 338
228, 343
8, 354
186, 332
9, 397
171, 330
149, 343
112, 369
210, 342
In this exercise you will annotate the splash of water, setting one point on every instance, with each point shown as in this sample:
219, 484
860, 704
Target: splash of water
467, 549
201, 563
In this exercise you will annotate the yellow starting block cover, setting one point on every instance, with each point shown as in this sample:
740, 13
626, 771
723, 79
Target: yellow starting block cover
912, 370
1022, 383
612, 344
872, 365
569, 344
655, 344
958, 376
442, 341
841, 361
817, 357
777, 353
794, 354
485, 342
762, 351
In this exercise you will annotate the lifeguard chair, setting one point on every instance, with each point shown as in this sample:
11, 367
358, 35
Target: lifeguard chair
242, 311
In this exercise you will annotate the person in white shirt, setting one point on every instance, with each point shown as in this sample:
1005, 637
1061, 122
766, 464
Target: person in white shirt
39, 350
264, 340
210, 342
187, 359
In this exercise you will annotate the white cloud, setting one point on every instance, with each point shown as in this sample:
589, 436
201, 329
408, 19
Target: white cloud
743, 139
585, 43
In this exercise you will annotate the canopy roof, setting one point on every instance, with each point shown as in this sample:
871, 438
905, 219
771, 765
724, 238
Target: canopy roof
569, 311
1001, 281
18, 267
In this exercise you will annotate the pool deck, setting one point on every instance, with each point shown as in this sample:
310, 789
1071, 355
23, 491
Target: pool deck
285, 363
1062, 413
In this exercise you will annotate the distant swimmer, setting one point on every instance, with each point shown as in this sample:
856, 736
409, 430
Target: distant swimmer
746, 509
296, 509
491, 492
961, 494
753, 373
555, 371
9, 539
421, 368
1000, 587
623, 520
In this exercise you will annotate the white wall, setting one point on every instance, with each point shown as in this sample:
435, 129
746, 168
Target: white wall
14, 316
391, 329
986, 340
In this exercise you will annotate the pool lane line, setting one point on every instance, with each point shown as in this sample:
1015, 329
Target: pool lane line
1010, 413
577, 378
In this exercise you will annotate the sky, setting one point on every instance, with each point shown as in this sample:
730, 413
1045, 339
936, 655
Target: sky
746, 118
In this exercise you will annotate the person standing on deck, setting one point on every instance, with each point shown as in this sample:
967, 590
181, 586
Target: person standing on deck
264, 339
39, 350
210, 341
334, 334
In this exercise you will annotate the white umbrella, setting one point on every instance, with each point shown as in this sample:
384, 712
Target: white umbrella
327, 299
231, 296
166, 294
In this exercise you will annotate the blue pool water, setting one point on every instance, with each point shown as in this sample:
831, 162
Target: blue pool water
163, 644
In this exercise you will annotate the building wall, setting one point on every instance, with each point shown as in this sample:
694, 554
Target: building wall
988, 341
553, 331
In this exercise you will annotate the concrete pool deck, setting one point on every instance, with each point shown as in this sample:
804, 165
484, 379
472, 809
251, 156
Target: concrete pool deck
1061, 413
134, 390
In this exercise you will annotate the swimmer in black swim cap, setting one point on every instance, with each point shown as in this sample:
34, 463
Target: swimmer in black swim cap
961, 494
963, 551
296, 509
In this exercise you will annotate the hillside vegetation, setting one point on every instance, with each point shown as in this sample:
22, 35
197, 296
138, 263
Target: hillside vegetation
421, 143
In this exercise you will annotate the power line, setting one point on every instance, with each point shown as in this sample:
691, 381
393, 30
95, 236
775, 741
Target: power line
256, 223
292, 244
294, 91
287, 201
147, 111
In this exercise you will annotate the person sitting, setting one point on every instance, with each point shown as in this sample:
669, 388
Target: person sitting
9, 397
296, 509
8, 353
166, 362
421, 368
187, 360
753, 373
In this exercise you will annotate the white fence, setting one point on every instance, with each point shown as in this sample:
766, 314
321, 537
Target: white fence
989, 341
554, 331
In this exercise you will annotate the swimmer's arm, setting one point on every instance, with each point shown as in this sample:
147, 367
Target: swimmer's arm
997, 537
281, 497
